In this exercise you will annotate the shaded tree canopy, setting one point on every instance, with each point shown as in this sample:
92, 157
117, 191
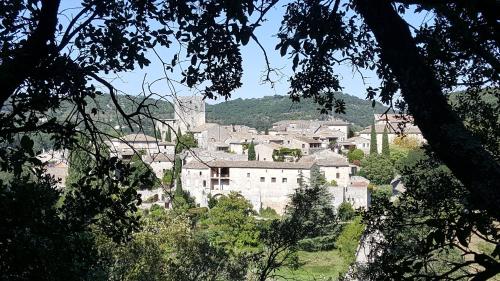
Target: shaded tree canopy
458, 48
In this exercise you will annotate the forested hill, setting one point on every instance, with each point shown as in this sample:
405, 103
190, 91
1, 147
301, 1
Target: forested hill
257, 112
262, 112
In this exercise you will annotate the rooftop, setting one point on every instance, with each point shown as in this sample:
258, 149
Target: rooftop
394, 129
138, 138
159, 157
249, 164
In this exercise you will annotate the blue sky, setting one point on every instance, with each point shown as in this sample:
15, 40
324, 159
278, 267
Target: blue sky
253, 67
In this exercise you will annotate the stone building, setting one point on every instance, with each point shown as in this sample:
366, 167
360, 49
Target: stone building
189, 113
125, 147
356, 193
263, 183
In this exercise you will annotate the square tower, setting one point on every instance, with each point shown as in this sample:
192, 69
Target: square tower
189, 112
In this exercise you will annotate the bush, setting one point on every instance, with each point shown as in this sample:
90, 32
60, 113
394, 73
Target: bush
355, 155
345, 211
321, 243
378, 169
269, 213
348, 240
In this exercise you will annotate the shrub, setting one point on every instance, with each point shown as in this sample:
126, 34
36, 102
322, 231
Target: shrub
355, 154
348, 240
378, 169
269, 213
345, 211
321, 243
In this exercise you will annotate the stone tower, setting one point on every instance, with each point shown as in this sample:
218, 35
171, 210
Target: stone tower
189, 112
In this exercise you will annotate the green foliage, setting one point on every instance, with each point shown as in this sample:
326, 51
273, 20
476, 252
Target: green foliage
231, 223
373, 141
345, 211
397, 154
333, 183
49, 235
167, 248
385, 143
212, 201
182, 200
168, 136
378, 169
185, 141
381, 192
168, 178
259, 112
280, 154
309, 214
433, 213
251, 152
320, 243
142, 174
269, 213
355, 155
348, 239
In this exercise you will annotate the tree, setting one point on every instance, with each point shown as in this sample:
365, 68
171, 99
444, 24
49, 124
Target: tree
251, 152
345, 211
373, 141
458, 28
80, 163
231, 223
309, 214
407, 142
168, 248
142, 173
385, 143
168, 178
168, 136
355, 155
280, 154
378, 169
430, 229
185, 141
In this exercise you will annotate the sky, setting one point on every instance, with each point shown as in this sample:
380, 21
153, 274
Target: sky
253, 66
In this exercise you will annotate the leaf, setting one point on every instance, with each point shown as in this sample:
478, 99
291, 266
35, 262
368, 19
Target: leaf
295, 62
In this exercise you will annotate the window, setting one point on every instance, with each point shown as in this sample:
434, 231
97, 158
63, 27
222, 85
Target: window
273, 179
204, 183
201, 173
338, 175
262, 179
303, 146
248, 175
284, 180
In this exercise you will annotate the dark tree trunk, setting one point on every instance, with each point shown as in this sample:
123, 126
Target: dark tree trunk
455, 145
14, 71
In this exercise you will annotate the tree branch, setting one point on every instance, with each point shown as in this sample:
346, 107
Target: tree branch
454, 144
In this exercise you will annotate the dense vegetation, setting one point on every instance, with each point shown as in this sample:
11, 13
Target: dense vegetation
262, 112
258, 113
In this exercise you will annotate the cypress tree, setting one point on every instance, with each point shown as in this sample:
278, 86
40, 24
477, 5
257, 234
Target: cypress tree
179, 133
385, 143
168, 137
251, 152
373, 141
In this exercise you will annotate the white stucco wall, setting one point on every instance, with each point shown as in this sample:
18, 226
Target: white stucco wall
331, 174
247, 181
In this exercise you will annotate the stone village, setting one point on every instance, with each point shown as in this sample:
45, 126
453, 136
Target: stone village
220, 163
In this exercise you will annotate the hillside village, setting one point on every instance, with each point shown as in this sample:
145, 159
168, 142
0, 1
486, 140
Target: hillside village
263, 166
